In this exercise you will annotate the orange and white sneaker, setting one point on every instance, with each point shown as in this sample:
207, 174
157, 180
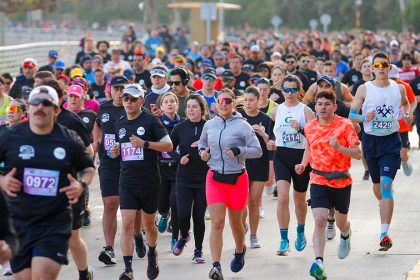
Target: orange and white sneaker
385, 243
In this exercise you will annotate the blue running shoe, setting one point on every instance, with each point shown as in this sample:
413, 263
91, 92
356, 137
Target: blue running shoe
163, 224
179, 245
317, 270
216, 272
300, 242
284, 248
173, 242
238, 261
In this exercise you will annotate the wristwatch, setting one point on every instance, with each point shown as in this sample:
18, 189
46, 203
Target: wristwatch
83, 183
146, 144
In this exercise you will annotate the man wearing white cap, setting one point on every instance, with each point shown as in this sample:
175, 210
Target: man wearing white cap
254, 58
159, 77
47, 169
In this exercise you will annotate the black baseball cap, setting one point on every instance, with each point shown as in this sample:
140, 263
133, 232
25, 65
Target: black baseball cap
209, 72
228, 74
26, 91
118, 81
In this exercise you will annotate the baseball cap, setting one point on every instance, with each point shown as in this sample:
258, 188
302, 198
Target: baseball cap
394, 43
218, 54
160, 50
209, 72
247, 67
276, 54
75, 90
59, 64
158, 71
205, 61
180, 59
128, 73
255, 48
263, 66
29, 62
326, 78
53, 54
135, 90
228, 74
394, 72
76, 72
64, 77
26, 91
85, 58
220, 70
44, 89
118, 81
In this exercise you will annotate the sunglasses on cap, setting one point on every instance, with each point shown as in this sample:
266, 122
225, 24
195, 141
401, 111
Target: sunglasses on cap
381, 64
43, 101
225, 100
290, 90
177, 83
158, 72
130, 98
13, 108
263, 81
211, 78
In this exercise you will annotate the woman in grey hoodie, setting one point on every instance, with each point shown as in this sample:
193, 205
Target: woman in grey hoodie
225, 143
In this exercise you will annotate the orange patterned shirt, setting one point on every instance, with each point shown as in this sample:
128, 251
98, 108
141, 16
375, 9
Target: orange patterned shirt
323, 156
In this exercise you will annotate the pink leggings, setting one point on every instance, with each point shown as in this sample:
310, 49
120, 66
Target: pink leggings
233, 196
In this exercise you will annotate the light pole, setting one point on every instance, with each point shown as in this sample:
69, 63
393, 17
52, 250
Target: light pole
358, 4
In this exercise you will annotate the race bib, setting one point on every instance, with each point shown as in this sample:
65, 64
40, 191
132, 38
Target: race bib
128, 152
291, 138
382, 126
41, 182
109, 141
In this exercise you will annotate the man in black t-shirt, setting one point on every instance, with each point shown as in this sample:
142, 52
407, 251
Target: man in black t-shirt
41, 160
140, 136
241, 78
291, 69
142, 74
254, 59
98, 87
354, 75
318, 51
312, 75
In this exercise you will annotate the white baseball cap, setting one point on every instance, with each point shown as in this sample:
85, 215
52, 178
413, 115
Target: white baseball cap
44, 89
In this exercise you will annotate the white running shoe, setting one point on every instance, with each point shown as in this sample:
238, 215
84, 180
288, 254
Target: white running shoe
407, 168
269, 189
255, 242
344, 247
330, 231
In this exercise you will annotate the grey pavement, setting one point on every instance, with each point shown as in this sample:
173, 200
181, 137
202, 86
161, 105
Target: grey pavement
364, 261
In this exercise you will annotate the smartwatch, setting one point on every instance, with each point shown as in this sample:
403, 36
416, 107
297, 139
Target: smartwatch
146, 144
83, 183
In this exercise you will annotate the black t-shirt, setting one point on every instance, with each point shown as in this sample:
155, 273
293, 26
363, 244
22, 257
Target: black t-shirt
81, 54
356, 86
351, 77
73, 122
279, 93
42, 163
139, 166
144, 78
98, 92
305, 80
242, 81
253, 63
183, 135
88, 117
127, 56
21, 81
311, 75
323, 53
415, 85
108, 115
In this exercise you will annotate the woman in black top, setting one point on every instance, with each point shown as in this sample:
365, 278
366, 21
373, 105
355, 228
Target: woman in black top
191, 176
258, 169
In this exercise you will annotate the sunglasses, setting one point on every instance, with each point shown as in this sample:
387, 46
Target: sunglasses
127, 98
380, 64
290, 62
305, 61
211, 78
177, 83
44, 102
290, 90
225, 101
13, 108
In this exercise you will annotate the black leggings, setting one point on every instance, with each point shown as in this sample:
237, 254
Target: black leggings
167, 199
189, 197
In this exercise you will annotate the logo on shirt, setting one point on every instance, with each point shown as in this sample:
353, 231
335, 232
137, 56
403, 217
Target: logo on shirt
85, 120
384, 110
59, 153
287, 119
122, 133
242, 84
141, 130
105, 117
26, 152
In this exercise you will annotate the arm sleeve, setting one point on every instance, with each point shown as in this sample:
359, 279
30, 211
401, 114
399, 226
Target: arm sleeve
7, 232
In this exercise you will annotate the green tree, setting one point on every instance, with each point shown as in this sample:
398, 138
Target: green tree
412, 14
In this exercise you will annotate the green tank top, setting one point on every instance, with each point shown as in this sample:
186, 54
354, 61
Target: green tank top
6, 101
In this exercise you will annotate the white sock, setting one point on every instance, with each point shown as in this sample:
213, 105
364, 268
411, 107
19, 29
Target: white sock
384, 228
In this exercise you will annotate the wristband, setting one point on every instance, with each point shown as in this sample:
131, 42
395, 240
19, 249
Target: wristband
236, 151
356, 116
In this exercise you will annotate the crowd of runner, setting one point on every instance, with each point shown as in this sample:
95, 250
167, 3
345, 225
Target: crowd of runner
187, 132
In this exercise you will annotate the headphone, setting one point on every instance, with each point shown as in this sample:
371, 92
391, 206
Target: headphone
187, 75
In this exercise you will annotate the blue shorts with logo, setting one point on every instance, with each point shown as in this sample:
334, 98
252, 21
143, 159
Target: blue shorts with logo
382, 154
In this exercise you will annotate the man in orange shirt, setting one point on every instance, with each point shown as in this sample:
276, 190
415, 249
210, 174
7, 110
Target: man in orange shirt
404, 127
331, 143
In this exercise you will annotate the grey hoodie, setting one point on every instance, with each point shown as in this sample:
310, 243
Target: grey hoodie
220, 135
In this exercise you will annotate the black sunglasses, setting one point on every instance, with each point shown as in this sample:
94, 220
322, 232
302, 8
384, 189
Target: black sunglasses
126, 98
44, 102
177, 83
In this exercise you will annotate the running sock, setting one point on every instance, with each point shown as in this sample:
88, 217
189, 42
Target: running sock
140, 236
152, 250
284, 232
300, 228
84, 274
319, 258
109, 248
384, 229
216, 264
345, 237
128, 261
331, 221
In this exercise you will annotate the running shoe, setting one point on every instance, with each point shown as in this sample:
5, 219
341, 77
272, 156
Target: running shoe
385, 243
300, 242
255, 242
344, 247
366, 175
169, 229
317, 270
126, 276
180, 245
330, 231
207, 215
275, 192
163, 224
140, 244
216, 272
90, 274
198, 256
107, 256
152, 266
284, 248
407, 168
261, 212
86, 219
238, 261
269, 189
7, 270
173, 242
